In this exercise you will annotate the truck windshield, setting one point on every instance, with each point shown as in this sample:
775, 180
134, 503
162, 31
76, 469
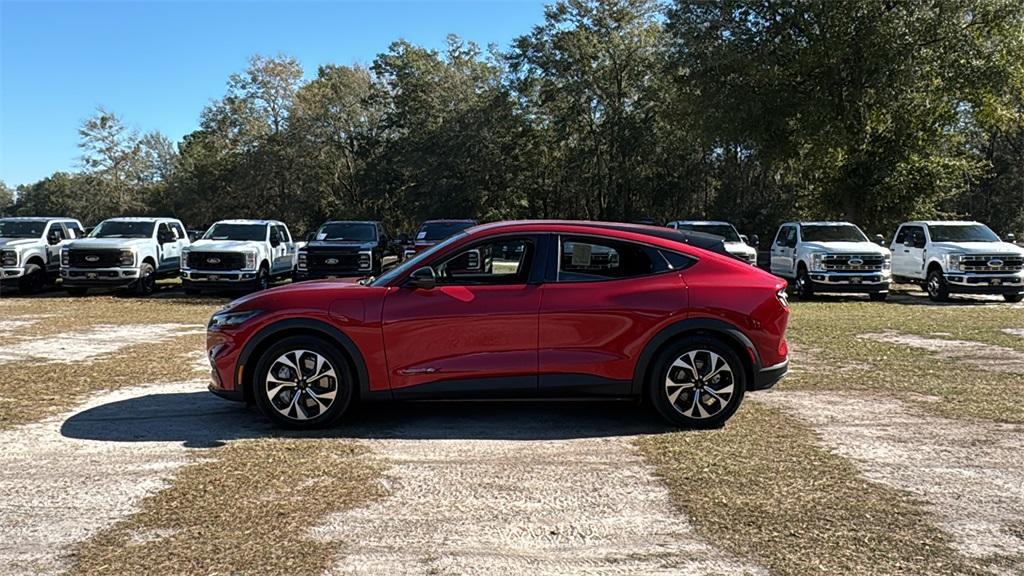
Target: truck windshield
123, 229
724, 230
831, 233
243, 232
434, 231
962, 233
21, 228
348, 231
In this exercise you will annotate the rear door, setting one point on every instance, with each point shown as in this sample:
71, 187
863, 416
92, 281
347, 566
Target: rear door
475, 333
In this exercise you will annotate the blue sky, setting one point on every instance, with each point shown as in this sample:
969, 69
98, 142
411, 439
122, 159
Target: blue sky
158, 63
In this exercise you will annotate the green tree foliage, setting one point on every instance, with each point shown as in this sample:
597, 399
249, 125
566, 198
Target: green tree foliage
748, 110
6, 198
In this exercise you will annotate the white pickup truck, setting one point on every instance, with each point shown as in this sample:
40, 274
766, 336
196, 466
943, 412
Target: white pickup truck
735, 244
239, 254
30, 250
947, 257
830, 257
124, 253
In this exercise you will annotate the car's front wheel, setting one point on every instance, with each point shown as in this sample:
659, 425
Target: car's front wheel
146, 284
34, 280
697, 383
803, 288
302, 383
1013, 297
936, 286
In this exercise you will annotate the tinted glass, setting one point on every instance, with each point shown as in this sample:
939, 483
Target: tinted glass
584, 259
434, 231
831, 233
724, 230
502, 261
22, 228
242, 232
962, 233
347, 231
123, 229
413, 263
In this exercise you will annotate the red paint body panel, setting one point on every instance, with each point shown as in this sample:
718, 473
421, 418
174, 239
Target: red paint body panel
410, 337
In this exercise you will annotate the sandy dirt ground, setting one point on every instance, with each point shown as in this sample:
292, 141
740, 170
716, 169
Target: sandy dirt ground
93, 342
969, 473
520, 490
983, 356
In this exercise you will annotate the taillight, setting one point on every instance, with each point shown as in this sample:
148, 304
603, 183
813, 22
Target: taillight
783, 297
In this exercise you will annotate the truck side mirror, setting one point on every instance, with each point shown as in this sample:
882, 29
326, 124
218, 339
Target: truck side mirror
423, 278
754, 240
880, 239
1011, 238
275, 239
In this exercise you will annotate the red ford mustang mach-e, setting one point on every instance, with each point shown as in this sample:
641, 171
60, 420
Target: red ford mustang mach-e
514, 310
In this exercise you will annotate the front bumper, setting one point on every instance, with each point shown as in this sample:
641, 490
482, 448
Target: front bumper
213, 279
961, 283
851, 281
301, 275
98, 277
767, 377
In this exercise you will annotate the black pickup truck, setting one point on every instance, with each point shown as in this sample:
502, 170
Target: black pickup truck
345, 249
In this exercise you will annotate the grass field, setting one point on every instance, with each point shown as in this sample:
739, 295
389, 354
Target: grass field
893, 447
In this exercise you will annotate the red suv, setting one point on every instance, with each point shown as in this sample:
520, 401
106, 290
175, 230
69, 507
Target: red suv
553, 309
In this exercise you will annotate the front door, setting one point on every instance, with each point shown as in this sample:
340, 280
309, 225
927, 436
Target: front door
784, 252
284, 251
908, 255
170, 248
475, 333
56, 237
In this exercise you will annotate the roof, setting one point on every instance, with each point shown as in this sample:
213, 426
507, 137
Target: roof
708, 242
942, 222
375, 222
141, 218
820, 223
248, 221
453, 220
702, 222
37, 218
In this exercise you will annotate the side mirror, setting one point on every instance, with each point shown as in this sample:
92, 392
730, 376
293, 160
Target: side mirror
275, 240
1011, 238
423, 278
879, 239
754, 240
54, 238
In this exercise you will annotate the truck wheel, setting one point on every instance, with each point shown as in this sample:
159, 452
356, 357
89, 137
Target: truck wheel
302, 383
1013, 297
878, 296
802, 288
262, 281
33, 281
936, 286
147, 280
697, 382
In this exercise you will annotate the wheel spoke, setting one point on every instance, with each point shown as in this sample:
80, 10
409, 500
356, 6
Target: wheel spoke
673, 396
320, 388
706, 395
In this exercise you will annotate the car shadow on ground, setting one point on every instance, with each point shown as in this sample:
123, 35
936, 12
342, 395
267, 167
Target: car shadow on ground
199, 419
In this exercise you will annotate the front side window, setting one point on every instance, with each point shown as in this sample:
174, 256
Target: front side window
74, 230
831, 233
413, 263
241, 232
501, 261
123, 229
22, 228
962, 233
583, 259
57, 231
282, 233
786, 237
348, 232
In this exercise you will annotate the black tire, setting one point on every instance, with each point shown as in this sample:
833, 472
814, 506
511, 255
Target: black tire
687, 407
938, 290
803, 289
76, 291
262, 281
146, 284
282, 408
1013, 298
34, 280
878, 296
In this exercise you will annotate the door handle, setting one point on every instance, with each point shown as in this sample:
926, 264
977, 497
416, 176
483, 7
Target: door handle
907, 251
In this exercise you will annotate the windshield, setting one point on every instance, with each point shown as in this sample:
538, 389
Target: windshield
350, 231
22, 228
414, 263
250, 232
123, 229
962, 233
724, 230
435, 231
831, 233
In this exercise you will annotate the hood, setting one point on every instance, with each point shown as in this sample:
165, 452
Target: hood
18, 242
225, 245
110, 243
341, 244
846, 247
268, 297
979, 247
739, 248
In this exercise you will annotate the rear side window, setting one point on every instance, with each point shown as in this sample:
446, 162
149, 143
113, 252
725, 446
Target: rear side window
585, 259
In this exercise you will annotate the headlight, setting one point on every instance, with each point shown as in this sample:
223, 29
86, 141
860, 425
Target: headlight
127, 258
302, 261
953, 262
817, 259
9, 258
887, 262
250, 260
228, 318
365, 259
65, 257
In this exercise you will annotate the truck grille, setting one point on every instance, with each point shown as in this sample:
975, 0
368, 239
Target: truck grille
853, 262
335, 263
992, 263
94, 258
216, 260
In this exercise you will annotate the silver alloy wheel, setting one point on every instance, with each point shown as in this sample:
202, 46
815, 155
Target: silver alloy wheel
301, 384
700, 384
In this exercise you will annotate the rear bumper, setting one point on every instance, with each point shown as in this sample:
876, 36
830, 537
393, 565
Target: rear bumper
767, 377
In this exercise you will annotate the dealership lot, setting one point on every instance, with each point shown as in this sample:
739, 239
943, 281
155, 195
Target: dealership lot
892, 447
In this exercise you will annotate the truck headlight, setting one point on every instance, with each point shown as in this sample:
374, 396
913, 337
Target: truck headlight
250, 260
65, 257
229, 318
127, 258
302, 261
9, 258
954, 262
887, 262
817, 261
365, 259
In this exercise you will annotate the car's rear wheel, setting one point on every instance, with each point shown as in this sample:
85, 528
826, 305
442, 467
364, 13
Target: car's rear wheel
302, 383
1013, 297
33, 281
697, 383
936, 286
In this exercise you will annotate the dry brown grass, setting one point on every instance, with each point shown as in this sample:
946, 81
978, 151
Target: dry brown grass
245, 508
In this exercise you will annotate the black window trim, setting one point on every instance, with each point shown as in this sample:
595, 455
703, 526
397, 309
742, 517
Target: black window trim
555, 257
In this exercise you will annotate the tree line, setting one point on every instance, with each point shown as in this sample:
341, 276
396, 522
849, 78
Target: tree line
753, 111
